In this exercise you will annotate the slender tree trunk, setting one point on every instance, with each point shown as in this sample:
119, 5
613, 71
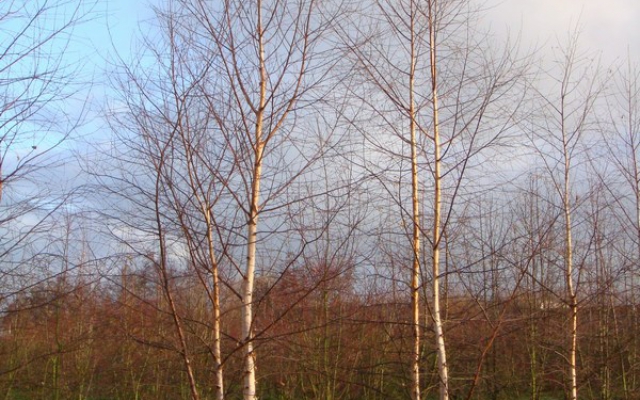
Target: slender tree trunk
568, 261
249, 387
633, 144
534, 301
437, 206
214, 296
606, 309
205, 205
217, 353
181, 336
166, 288
161, 264
415, 271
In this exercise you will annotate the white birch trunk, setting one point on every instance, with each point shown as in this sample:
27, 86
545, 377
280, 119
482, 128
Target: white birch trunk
415, 272
214, 296
571, 292
443, 371
249, 378
218, 379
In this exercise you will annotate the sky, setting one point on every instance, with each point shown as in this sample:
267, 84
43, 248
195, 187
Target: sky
118, 23
609, 28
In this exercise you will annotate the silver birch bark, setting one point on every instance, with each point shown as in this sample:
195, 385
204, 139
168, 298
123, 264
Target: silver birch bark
410, 111
260, 51
217, 352
403, 97
443, 371
205, 207
415, 197
258, 56
574, 122
568, 236
249, 378
566, 121
568, 260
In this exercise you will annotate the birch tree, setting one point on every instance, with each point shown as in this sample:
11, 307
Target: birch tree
443, 369
248, 71
400, 51
559, 139
402, 94
264, 61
